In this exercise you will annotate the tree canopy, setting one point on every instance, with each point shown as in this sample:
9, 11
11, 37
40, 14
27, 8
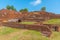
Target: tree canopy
10, 7
24, 10
43, 9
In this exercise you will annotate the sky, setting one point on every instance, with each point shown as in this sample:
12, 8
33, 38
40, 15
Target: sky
33, 5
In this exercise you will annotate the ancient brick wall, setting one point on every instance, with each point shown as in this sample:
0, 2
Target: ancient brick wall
54, 27
42, 28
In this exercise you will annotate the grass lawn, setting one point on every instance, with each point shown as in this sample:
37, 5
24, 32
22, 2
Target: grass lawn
20, 34
55, 36
28, 23
52, 21
6, 30
7, 33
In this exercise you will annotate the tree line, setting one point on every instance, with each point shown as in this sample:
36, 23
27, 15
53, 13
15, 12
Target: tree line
22, 10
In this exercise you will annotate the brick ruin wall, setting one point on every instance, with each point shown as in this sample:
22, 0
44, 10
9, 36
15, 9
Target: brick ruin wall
42, 28
45, 29
34, 19
54, 27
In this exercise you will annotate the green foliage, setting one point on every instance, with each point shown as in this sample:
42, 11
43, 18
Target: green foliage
24, 10
43, 9
10, 7
21, 10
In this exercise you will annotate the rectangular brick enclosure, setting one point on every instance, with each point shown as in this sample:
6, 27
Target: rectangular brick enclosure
44, 29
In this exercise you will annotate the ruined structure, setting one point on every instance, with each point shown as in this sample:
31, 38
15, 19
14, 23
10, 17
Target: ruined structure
26, 16
11, 18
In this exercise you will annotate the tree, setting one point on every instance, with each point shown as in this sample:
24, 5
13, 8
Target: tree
43, 9
15, 9
24, 10
11, 7
21, 10
8, 7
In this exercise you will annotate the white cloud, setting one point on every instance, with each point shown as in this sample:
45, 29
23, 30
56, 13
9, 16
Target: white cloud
37, 2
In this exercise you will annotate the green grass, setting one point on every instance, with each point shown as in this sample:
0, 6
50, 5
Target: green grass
15, 34
22, 34
32, 32
27, 23
55, 36
30, 35
52, 21
6, 30
15, 37
35, 35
